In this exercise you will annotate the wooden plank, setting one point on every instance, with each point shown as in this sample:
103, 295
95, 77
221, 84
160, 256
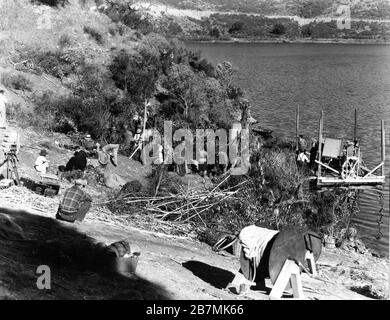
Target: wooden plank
297, 127
370, 181
373, 170
309, 257
296, 284
383, 153
326, 166
289, 273
355, 127
320, 143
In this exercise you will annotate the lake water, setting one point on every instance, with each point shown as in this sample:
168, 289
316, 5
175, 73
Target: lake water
336, 78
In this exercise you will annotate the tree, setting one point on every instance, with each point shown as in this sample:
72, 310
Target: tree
278, 29
122, 11
136, 74
214, 32
306, 31
184, 85
236, 27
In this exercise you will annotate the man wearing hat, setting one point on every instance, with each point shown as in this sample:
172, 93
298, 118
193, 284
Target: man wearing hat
41, 164
75, 204
302, 144
111, 180
3, 114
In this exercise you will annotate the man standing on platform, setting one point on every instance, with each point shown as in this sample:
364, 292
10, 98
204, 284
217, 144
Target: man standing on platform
302, 144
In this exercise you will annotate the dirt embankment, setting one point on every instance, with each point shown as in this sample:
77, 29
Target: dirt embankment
169, 267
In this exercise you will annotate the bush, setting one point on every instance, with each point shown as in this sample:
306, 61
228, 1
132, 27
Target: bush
17, 82
174, 28
306, 32
60, 63
16, 113
278, 29
94, 34
120, 11
214, 32
237, 26
64, 41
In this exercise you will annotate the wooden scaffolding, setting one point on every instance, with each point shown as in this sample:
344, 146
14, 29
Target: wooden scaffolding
350, 170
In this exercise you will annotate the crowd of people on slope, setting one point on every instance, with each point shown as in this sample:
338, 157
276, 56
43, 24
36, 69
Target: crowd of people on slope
76, 202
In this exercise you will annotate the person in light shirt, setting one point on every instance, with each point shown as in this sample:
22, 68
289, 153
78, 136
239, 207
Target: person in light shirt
302, 157
41, 163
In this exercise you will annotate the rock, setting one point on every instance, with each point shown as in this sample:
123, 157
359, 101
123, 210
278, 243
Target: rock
375, 253
360, 246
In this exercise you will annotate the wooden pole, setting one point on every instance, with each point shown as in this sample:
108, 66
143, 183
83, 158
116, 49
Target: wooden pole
297, 127
320, 143
383, 146
145, 118
355, 127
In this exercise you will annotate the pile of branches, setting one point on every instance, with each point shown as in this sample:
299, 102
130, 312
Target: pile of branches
187, 205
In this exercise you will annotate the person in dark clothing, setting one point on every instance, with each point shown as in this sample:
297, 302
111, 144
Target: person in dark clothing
75, 167
313, 153
77, 162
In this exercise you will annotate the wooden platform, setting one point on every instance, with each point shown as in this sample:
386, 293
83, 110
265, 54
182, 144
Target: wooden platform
360, 181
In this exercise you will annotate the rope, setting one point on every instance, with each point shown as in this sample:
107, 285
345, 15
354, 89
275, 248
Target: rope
381, 214
218, 245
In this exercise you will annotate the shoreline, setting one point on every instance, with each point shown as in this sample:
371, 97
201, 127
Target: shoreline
296, 41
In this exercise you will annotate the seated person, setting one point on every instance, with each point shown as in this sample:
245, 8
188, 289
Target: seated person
89, 145
41, 163
75, 167
302, 157
77, 162
75, 204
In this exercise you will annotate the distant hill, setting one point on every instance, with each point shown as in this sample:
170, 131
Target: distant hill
365, 9
273, 20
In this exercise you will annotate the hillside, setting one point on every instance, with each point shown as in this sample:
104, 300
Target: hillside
170, 267
364, 9
309, 20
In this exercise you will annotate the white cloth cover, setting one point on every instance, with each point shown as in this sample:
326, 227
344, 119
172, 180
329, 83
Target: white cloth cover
254, 240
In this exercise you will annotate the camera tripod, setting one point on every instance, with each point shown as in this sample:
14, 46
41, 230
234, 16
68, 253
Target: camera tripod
12, 169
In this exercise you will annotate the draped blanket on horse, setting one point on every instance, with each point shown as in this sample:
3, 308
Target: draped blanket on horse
254, 241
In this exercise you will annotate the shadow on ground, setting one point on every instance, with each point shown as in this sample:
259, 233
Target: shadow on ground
217, 277
77, 263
